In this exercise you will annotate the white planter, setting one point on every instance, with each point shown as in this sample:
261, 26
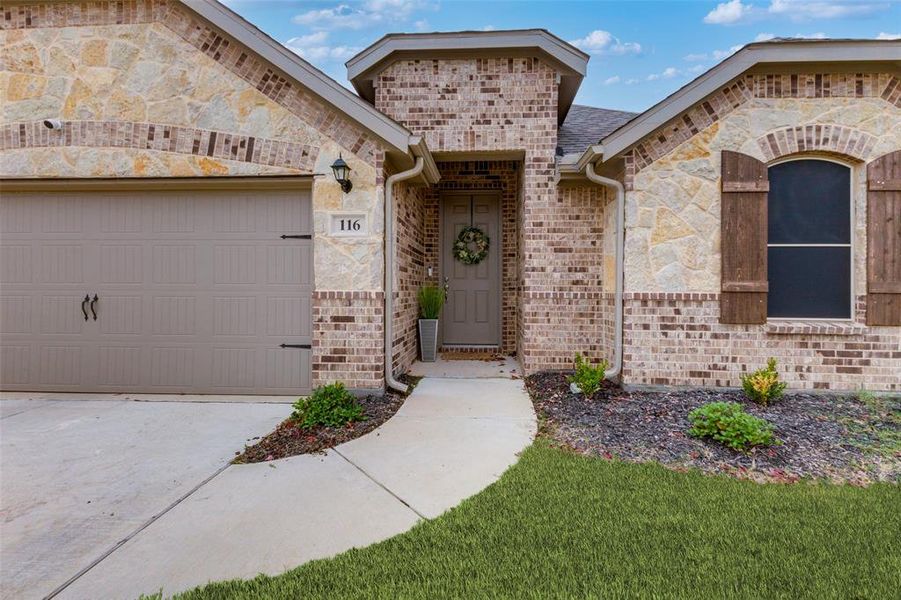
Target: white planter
428, 339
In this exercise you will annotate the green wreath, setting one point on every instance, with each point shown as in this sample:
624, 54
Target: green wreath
471, 246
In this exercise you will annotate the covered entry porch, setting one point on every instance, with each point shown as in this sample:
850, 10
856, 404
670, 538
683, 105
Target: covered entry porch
481, 313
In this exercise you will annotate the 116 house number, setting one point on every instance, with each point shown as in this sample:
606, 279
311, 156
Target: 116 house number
348, 225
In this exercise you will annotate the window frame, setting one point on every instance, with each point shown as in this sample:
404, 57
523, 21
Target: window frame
850, 245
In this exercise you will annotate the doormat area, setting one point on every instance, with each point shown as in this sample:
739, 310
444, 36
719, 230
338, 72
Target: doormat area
481, 355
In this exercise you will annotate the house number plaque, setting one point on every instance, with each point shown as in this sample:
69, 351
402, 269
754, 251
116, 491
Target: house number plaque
349, 225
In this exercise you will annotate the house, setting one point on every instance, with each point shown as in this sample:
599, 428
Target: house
171, 222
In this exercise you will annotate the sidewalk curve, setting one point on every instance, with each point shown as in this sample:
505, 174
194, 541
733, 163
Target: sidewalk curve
450, 439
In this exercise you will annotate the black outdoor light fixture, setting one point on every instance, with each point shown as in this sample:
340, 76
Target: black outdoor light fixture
342, 174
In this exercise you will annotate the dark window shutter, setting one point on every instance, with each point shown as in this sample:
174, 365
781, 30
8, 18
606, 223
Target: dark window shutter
884, 240
743, 239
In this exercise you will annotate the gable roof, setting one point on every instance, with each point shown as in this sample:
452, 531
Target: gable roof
396, 136
570, 62
773, 52
585, 125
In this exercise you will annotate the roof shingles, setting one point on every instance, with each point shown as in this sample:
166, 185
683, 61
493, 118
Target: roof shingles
586, 125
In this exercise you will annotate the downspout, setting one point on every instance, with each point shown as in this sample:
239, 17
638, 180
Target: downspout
614, 373
390, 381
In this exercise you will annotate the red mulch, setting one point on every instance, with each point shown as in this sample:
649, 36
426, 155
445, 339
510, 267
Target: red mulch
290, 440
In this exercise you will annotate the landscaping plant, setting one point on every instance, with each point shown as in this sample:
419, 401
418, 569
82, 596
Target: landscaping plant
763, 386
728, 423
587, 377
330, 405
431, 301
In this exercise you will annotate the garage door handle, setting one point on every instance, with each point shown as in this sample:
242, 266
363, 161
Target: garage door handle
84, 309
93, 310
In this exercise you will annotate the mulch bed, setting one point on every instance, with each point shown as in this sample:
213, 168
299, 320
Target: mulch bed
839, 438
290, 440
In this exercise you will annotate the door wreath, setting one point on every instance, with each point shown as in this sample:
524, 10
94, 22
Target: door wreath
471, 246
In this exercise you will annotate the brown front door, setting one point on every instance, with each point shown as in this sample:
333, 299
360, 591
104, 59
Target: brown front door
471, 316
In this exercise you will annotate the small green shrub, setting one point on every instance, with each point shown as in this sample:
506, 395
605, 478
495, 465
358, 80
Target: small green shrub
587, 377
431, 301
763, 386
330, 405
728, 423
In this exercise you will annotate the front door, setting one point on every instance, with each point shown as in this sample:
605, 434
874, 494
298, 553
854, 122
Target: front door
471, 315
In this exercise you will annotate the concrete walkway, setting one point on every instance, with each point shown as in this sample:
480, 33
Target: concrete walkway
451, 439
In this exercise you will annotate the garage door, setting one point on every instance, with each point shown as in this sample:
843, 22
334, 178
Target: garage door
156, 291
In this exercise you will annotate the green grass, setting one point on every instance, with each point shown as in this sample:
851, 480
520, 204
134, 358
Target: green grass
564, 526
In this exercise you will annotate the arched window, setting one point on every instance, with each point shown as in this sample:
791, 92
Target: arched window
809, 243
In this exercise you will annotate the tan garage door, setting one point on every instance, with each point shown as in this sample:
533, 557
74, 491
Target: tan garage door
196, 291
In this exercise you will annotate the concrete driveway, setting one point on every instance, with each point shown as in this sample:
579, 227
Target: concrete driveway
111, 499
79, 474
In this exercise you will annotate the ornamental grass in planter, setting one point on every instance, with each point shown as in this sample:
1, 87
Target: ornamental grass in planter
431, 301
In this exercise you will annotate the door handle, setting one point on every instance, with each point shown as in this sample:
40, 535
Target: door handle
446, 288
84, 309
93, 303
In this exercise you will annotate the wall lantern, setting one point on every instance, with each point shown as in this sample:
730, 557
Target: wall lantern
342, 174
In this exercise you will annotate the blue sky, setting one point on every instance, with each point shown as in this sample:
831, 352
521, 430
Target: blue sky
641, 51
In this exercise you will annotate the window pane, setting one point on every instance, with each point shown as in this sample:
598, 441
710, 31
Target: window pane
810, 203
812, 283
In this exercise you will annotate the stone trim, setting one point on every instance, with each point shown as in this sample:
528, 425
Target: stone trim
349, 295
823, 137
163, 138
755, 86
224, 50
814, 328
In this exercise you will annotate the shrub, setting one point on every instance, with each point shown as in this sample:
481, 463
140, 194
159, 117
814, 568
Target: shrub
587, 377
431, 301
330, 405
728, 423
763, 386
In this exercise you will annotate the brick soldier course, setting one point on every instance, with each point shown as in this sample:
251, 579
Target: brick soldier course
158, 89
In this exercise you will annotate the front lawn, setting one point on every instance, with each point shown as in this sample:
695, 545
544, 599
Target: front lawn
562, 525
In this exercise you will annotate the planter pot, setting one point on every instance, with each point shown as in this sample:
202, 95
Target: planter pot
428, 339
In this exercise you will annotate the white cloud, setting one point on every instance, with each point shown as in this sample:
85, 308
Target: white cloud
888, 36
696, 57
488, 28
632, 81
667, 73
809, 10
612, 80
819, 35
728, 13
359, 16
421, 25
719, 55
603, 42
313, 47
763, 37
695, 69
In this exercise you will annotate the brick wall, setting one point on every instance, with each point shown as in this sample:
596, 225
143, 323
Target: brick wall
348, 329
410, 271
676, 339
494, 105
565, 298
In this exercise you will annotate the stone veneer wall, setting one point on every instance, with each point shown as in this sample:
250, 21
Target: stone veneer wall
673, 335
510, 104
145, 88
